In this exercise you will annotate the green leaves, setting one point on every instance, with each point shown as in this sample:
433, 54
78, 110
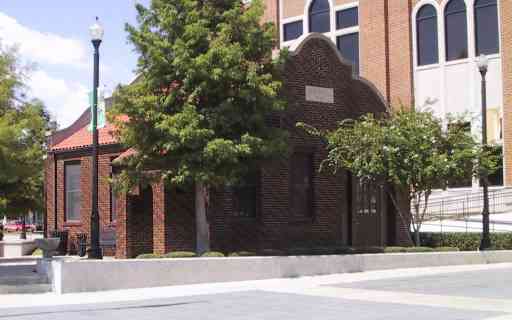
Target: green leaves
208, 84
409, 149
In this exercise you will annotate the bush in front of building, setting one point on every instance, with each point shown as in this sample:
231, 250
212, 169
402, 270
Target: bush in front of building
213, 254
242, 254
466, 241
180, 254
149, 256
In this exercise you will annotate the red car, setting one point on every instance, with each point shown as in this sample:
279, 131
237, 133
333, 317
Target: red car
16, 226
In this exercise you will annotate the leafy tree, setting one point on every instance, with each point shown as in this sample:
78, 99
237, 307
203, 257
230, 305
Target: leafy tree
409, 150
23, 125
199, 110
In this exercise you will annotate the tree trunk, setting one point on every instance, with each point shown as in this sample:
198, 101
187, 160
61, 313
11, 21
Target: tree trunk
23, 234
417, 239
202, 225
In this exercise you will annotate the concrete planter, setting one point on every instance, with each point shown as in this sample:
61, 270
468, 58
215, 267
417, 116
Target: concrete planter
90, 275
16, 248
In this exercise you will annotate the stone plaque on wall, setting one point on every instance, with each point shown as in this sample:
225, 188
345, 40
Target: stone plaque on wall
319, 94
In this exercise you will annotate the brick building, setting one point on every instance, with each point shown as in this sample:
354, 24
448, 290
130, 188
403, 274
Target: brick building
420, 53
286, 203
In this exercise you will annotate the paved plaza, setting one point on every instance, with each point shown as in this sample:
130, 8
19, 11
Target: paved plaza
481, 292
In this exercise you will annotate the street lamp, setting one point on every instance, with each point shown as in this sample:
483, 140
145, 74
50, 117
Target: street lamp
96, 31
485, 244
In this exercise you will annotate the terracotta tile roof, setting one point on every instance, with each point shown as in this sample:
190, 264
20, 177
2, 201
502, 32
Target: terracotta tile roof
124, 155
83, 137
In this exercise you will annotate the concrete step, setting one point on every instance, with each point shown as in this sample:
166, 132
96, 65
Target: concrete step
23, 280
25, 289
21, 277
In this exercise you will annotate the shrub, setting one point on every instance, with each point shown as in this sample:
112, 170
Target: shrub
359, 250
180, 254
37, 253
466, 241
394, 249
446, 249
149, 256
418, 249
213, 254
242, 254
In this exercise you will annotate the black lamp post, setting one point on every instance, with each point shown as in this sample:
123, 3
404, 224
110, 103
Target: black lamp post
485, 244
96, 31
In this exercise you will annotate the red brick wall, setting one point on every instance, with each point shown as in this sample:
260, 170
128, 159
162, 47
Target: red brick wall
385, 44
82, 226
275, 226
144, 227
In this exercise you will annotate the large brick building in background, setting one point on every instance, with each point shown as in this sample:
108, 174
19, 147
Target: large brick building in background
285, 204
420, 53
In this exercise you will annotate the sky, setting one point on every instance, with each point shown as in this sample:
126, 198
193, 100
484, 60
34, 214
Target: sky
53, 36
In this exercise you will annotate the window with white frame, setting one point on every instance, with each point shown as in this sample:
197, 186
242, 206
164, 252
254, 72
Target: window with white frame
320, 16
347, 35
426, 35
292, 30
486, 27
456, 30
72, 191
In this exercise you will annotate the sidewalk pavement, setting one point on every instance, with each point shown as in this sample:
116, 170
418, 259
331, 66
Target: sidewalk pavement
304, 285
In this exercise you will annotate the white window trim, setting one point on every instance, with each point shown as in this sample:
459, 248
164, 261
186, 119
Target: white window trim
286, 21
305, 21
442, 63
470, 15
349, 30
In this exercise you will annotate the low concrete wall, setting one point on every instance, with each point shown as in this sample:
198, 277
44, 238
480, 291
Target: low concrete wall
16, 248
87, 275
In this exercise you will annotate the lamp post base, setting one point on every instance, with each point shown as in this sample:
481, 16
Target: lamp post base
94, 254
485, 244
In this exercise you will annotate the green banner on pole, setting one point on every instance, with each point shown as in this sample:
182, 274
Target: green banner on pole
101, 112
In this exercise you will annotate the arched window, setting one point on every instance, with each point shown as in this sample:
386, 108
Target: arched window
319, 16
456, 30
486, 27
426, 35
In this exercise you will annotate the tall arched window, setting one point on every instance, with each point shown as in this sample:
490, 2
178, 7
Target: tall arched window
456, 30
486, 27
319, 16
426, 35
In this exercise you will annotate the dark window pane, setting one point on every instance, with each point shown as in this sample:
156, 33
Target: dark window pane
301, 188
426, 28
292, 30
347, 18
319, 5
348, 45
245, 196
72, 191
456, 30
486, 27
319, 16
